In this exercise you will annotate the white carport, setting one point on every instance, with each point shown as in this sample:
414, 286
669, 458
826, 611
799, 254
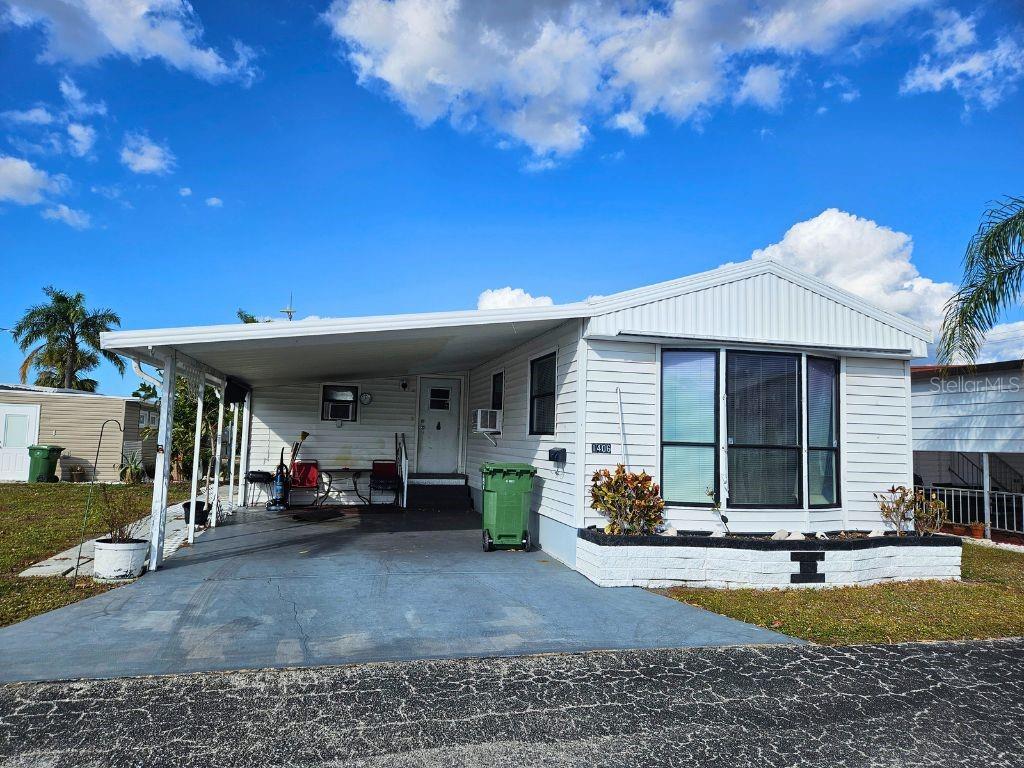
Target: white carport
262, 355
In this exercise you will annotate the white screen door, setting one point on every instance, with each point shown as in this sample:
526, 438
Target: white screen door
440, 407
19, 428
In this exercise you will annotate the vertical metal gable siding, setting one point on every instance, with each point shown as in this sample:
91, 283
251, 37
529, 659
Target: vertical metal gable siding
762, 307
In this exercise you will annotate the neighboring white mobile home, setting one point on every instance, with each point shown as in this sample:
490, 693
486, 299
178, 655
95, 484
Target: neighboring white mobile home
753, 387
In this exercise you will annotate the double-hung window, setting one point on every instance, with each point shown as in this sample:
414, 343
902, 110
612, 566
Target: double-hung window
764, 429
822, 432
542, 395
689, 426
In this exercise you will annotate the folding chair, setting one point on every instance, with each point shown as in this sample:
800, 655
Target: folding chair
384, 477
306, 476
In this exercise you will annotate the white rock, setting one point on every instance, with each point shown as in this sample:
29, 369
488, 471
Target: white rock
821, 535
876, 533
780, 535
669, 532
718, 534
795, 536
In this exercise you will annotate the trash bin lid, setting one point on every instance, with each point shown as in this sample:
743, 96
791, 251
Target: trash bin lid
46, 447
494, 467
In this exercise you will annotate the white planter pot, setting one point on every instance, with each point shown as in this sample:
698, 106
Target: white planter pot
120, 561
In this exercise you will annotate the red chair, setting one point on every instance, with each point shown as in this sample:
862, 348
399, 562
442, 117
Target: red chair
306, 476
384, 477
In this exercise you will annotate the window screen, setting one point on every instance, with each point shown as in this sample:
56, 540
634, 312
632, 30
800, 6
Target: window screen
822, 432
542, 395
689, 396
763, 415
497, 390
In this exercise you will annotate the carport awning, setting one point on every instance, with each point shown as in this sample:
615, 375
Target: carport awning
305, 351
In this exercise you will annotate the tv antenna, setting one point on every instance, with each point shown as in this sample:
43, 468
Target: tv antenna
288, 311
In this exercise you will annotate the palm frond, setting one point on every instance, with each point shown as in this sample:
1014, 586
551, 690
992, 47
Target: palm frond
993, 281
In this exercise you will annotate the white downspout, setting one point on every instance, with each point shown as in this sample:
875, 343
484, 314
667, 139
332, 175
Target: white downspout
622, 430
243, 460
146, 376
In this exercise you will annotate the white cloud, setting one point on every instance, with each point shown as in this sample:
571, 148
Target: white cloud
83, 31
844, 86
509, 297
33, 116
82, 138
977, 74
952, 31
543, 72
214, 202
1004, 342
185, 191
77, 103
24, 184
864, 258
762, 86
73, 218
141, 155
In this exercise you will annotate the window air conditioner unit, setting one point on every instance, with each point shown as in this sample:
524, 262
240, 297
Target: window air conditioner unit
487, 421
338, 411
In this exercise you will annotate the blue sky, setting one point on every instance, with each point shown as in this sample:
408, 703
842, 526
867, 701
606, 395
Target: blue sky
379, 157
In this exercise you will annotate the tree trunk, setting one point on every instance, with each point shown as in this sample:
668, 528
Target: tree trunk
69, 362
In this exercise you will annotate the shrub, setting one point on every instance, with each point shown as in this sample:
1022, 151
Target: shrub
632, 502
123, 511
903, 508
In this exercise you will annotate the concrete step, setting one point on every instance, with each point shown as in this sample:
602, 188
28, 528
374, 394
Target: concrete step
449, 498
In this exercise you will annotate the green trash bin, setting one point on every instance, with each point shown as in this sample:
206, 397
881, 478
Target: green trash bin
42, 463
507, 492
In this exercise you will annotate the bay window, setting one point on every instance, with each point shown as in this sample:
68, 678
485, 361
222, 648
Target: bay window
780, 429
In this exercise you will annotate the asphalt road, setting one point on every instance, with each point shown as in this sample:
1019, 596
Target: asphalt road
941, 704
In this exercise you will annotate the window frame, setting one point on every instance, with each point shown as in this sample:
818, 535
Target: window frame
838, 503
355, 403
531, 398
674, 443
494, 375
799, 447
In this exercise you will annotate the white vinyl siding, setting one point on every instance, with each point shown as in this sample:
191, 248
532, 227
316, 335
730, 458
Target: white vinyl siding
633, 369
877, 428
280, 413
554, 485
983, 412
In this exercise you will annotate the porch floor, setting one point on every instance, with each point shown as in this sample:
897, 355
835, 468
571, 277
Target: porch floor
312, 587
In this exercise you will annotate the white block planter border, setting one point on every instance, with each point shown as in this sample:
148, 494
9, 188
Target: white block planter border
735, 563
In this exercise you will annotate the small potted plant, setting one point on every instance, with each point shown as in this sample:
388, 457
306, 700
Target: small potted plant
120, 554
76, 473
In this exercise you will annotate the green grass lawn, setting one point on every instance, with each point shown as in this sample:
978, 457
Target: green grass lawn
989, 602
37, 521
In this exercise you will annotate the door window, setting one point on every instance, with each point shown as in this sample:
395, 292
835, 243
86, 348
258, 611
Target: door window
15, 431
440, 399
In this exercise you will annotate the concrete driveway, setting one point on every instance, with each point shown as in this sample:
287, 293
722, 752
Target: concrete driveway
266, 590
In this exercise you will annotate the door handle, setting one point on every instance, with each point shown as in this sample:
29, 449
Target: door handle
438, 425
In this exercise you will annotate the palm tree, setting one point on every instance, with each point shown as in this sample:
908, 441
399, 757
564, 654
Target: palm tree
61, 340
993, 279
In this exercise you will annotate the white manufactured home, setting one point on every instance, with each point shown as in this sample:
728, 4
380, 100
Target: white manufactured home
782, 399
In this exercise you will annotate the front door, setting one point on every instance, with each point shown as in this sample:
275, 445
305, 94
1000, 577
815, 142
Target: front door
19, 428
440, 405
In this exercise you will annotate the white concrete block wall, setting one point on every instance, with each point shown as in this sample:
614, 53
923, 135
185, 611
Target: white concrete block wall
721, 567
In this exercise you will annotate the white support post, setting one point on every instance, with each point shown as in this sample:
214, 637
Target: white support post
231, 460
195, 459
162, 474
243, 460
986, 482
216, 458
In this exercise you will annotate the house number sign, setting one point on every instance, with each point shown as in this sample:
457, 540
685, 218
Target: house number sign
600, 447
